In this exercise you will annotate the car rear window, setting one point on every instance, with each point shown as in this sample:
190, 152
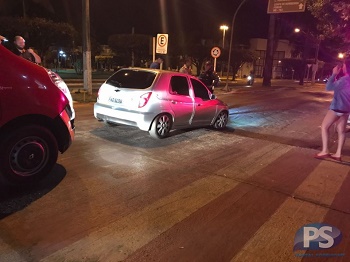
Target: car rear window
132, 79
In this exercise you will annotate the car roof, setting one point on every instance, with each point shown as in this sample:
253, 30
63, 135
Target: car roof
157, 71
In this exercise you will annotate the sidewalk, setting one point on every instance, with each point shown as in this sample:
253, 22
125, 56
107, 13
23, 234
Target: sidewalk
68, 73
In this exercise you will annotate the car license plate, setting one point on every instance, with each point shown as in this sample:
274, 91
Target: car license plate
115, 100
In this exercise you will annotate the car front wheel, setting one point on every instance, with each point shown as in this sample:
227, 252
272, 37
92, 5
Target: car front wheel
28, 154
161, 126
221, 120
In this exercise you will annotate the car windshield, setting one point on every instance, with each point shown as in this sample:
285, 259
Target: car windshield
137, 79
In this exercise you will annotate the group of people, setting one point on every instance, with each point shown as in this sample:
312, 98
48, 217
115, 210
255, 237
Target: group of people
19, 48
208, 76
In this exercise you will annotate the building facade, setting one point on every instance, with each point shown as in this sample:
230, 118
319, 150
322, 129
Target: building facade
259, 46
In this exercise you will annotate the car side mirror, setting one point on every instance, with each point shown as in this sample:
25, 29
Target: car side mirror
212, 96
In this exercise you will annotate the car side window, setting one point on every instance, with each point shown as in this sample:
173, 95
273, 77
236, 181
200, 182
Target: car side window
179, 86
200, 90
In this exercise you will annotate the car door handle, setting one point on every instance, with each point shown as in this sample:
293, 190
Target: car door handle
199, 104
173, 101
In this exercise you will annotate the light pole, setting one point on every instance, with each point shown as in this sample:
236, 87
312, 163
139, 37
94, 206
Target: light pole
314, 71
59, 60
223, 28
226, 88
315, 66
305, 54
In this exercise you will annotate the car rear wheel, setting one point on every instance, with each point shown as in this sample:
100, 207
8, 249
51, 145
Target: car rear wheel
161, 126
221, 120
28, 154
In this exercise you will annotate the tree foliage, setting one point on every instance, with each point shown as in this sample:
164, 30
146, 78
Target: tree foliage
240, 57
125, 44
333, 17
38, 32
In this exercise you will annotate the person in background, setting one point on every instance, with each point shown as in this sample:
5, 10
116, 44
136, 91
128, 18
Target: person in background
209, 77
187, 67
20, 50
156, 63
339, 110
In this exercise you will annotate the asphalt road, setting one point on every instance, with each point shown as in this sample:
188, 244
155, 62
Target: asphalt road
199, 195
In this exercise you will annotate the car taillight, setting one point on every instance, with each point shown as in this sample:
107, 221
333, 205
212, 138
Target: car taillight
144, 99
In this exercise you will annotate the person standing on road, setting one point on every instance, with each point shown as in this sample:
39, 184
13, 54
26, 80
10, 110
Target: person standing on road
29, 54
187, 67
156, 63
209, 77
339, 110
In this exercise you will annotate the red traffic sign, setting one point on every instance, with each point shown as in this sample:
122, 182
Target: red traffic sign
215, 52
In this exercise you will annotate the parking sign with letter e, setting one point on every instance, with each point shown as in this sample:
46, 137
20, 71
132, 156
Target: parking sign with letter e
162, 44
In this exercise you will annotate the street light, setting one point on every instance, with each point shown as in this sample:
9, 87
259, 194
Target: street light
306, 46
341, 55
315, 67
223, 28
231, 38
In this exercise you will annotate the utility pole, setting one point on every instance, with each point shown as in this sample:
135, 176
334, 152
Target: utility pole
87, 47
227, 88
305, 56
269, 51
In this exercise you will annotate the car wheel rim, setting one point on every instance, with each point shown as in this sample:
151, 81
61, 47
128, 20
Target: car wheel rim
222, 120
28, 156
163, 125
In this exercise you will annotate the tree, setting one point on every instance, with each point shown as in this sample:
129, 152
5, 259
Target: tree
333, 16
240, 57
39, 32
125, 44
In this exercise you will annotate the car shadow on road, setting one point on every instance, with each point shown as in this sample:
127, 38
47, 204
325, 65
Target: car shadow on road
134, 137
16, 198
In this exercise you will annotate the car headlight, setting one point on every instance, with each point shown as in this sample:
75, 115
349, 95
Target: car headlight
57, 80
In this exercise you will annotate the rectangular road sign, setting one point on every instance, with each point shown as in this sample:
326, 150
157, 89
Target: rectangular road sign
162, 43
286, 6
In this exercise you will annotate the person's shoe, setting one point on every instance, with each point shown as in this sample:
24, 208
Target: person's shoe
322, 156
336, 158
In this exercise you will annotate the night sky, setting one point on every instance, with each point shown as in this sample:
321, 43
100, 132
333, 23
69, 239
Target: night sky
178, 18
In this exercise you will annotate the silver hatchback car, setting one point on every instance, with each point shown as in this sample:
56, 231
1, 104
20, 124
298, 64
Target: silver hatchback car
158, 101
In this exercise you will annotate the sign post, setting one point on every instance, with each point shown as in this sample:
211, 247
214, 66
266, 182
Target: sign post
215, 53
286, 6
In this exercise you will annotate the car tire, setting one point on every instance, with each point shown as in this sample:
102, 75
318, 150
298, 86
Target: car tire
28, 154
221, 120
161, 126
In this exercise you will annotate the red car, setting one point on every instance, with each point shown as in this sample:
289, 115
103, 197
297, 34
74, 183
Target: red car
36, 119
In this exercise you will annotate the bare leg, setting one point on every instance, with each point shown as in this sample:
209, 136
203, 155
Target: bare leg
327, 122
341, 127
